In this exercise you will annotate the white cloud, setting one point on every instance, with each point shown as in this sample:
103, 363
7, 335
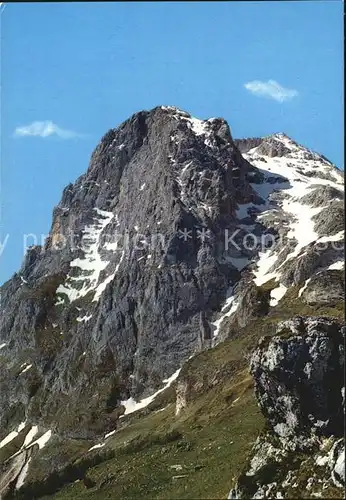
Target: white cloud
271, 89
44, 129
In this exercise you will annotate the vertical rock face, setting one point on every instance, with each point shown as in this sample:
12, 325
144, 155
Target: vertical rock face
299, 379
133, 268
164, 247
299, 384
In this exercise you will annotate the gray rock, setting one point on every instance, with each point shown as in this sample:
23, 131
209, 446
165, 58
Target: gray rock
328, 176
325, 288
253, 302
321, 195
270, 147
298, 378
330, 220
149, 216
313, 259
244, 145
267, 146
152, 176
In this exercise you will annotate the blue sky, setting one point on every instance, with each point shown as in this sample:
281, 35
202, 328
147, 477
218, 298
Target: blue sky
82, 68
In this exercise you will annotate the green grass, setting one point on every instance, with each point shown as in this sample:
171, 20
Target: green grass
210, 440
210, 449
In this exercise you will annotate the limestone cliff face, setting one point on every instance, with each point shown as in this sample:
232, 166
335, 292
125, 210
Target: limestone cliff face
300, 387
131, 274
176, 238
299, 380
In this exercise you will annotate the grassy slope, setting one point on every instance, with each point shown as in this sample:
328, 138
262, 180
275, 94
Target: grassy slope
208, 455
210, 440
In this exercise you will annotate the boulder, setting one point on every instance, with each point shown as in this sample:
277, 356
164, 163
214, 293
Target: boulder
299, 375
325, 288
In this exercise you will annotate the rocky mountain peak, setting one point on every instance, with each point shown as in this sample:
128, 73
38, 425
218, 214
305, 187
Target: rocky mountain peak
176, 238
134, 267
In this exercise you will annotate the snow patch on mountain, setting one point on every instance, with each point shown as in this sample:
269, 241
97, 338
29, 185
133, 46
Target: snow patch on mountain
198, 127
42, 441
276, 294
30, 436
85, 318
294, 174
340, 264
131, 405
92, 264
303, 288
26, 367
230, 307
96, 446
22, 475
12, 435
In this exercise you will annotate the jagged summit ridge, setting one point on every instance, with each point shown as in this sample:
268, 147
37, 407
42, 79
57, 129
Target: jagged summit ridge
294, 178
165, 155
100, 294
279, 140
164, 247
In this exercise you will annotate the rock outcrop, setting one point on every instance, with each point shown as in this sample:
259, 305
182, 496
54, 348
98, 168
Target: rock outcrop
299, 378
321, 196
325, 288
299, 384
330, 220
